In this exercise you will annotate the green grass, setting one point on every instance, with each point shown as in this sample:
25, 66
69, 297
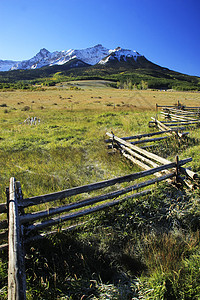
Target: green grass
68, 145
142, 249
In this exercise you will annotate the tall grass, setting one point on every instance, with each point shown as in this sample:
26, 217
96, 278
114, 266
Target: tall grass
173, 266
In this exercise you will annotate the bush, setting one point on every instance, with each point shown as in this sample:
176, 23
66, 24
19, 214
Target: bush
26, 108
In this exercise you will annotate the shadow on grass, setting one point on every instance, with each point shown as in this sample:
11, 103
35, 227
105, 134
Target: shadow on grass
66, 266
173, 146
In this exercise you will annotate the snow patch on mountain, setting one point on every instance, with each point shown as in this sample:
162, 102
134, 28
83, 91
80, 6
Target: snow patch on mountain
120, 54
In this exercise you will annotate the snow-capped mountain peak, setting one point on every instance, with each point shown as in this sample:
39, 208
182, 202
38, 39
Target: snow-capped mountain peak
91, 56
43, 53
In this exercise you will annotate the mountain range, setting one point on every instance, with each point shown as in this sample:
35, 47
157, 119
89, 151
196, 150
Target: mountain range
95, 62
91, 56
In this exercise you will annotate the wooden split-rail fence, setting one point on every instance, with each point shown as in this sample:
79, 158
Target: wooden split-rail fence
177, 117
22, 228
147, 160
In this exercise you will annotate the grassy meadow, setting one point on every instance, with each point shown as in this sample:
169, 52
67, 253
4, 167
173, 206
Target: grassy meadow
143, 249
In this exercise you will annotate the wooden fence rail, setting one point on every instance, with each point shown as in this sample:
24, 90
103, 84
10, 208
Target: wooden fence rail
179, 106
86, 202
181, 112
178, 117
153, 157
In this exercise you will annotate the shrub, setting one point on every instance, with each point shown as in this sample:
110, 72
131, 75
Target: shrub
26, 108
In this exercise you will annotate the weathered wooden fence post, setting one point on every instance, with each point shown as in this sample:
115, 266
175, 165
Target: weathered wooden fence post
16, 274
177, 169
113, 141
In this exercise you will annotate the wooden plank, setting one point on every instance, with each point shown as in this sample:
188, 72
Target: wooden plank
171, 121
183, 119
171, 117
140, 157
166, 105
136, 161
177, 129
184, 107
180, 124
3, 247
90, 201
102, 184
189, 173
150, 140
139, 136
64, 218
141, 151
179, 117
16, 284
182, 114
181, 111
142, 165
192, 108
155, 157
162, 126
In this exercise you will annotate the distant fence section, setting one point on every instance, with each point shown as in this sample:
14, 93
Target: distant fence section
179, 117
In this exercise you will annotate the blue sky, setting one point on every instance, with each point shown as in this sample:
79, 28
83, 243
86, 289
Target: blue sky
165, 32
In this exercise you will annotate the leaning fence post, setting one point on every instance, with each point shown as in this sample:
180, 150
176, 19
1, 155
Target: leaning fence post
16, 282
113, 139
177, 169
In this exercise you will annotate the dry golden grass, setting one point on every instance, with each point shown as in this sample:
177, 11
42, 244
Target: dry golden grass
95, 96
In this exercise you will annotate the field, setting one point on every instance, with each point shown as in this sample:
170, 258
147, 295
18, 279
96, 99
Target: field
146, 249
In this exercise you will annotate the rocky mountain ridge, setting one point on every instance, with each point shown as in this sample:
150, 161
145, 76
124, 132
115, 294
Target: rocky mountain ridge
92, 56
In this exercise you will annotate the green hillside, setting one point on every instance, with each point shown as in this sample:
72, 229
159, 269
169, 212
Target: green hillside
129, 71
